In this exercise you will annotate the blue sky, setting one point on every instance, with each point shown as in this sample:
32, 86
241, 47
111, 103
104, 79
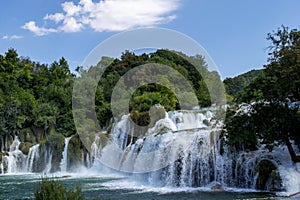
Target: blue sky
232, 31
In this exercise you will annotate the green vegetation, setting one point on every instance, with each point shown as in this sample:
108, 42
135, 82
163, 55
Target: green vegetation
54, 190
235, 85
36, 99
273, 113
148, 94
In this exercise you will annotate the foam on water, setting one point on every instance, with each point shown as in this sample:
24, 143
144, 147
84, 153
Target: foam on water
180, 153
129, 184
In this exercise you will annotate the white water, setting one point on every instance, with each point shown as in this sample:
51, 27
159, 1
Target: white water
32, 157
183, 150
180, 151
15, 158
17, 162
186, 120
2, 168
48, 159
64, 160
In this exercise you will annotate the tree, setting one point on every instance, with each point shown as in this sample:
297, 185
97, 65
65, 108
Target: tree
271, 115
236, 85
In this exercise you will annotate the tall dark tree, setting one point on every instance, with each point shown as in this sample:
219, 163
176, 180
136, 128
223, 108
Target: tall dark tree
274, 112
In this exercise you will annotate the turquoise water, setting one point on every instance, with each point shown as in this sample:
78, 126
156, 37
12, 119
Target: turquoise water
96, 187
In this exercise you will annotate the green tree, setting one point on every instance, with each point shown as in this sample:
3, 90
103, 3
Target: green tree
235, 85
271, 115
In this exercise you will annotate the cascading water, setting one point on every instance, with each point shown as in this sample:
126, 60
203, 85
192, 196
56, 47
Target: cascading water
64, 160
38, 159
47, 161
14, 161
189, 143
32, 157
95, 150
186, 120
181, 150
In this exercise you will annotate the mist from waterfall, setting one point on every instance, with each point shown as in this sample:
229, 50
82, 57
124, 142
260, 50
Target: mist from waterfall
182, 150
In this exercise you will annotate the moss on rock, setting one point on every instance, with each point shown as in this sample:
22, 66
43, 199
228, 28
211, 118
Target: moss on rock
25, 146
27, 135
56, 143
77, 152
268, 176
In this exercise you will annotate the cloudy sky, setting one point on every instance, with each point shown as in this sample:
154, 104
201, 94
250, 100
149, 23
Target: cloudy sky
233, 32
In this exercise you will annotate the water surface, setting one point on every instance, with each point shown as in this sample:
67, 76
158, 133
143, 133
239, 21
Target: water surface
111, 187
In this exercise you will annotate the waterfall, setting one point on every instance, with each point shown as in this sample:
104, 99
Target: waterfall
95, 150
64, 160
181, 150
13, 162
32, 157
48, 161
37, 160
186, 120
181, 144
2, 167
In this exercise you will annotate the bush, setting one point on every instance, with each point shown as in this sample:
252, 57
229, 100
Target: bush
26, 135
25, 146
54, 190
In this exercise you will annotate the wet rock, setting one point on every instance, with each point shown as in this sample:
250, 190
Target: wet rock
217, 187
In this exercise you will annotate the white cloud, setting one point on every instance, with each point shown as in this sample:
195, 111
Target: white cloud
71, 25
5, 37
108, 15
120, 15
57, 17
70, 8
39, 31
12, 37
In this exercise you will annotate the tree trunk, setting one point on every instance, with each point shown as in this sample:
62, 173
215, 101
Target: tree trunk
291, 151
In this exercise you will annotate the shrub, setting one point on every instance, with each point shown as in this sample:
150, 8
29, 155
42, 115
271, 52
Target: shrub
54, 190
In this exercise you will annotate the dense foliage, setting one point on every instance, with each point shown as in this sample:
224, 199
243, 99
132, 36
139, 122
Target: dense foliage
272, 113
54, 190
151, 94
36, 99
236, 84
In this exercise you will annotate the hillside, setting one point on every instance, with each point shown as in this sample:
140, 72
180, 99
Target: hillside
237, 84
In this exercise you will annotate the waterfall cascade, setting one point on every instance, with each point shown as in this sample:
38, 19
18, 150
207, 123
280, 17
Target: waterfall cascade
47, 161
182, 154
185, 150
15, 161
64, 160
182, 150
8, 164
32, 157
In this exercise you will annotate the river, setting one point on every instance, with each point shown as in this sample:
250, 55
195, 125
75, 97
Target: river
22, 186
